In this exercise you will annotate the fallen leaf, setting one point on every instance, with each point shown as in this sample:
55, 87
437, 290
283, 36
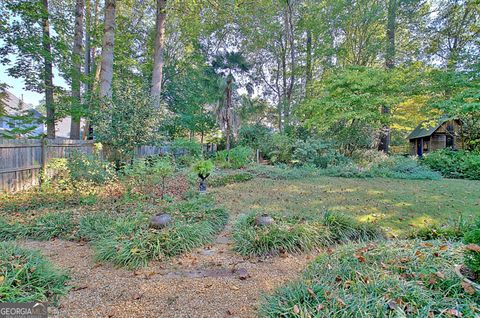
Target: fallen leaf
2, 279
233, 287
426, 244
453, 312
136, 296
311, 292
340, 302
296, 309
319, 307
361, 258
347, 284
443, 247
473, 247
392, 304
468, 288
440, 275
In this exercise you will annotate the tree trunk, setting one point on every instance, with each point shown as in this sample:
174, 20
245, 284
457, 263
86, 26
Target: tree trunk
106, 71
77, 69
228, 112
158, 52
308, 71
384, 144
48, 73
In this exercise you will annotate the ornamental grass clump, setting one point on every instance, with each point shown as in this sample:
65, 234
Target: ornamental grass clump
27, 276
292, 233
384, 279
130, 242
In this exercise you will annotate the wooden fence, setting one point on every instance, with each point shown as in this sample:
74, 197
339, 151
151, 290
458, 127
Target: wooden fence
21, 161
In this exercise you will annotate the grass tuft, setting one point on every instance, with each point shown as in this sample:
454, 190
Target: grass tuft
295, 234
129, 242
387, 279
26, 276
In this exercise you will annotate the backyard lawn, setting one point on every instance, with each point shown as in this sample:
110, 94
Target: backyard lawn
398, 206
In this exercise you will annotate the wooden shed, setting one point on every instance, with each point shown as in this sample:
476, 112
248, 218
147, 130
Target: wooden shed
430, 136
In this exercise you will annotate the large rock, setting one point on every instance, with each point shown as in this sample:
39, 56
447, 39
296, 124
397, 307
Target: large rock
264, 220
160, 221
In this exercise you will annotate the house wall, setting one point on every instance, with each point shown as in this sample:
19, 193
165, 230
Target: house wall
438, 139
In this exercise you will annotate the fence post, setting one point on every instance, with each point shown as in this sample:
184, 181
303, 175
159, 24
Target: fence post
43, 170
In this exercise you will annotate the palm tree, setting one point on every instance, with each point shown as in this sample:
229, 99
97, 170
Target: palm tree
226, 65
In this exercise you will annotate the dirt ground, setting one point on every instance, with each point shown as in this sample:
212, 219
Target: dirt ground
209, 282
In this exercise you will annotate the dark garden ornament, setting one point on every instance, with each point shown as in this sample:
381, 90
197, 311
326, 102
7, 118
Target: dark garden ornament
203, 168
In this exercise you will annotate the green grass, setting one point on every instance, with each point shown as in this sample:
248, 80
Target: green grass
44, 227
229, 178
398, 206
129, 242
26, 276
387, 279
293, 233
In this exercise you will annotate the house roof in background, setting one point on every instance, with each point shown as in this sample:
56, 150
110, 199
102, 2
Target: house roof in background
427, 128
13, 106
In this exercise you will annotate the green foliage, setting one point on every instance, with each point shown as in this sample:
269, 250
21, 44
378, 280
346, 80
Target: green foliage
186, 151
472, 257
27, 276
454, 164
285, 235
203, 168
89, 168
388, 279
229, 178
128, 120
403, 168
256, 137
296, 233
234, 158
148, 172
129, 242
318, 153
44, 227
281, 149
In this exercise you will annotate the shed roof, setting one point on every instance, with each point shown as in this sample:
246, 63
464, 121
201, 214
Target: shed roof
426, 128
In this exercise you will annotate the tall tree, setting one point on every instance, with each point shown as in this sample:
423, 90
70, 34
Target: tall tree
77, 69
106, 72
158, 51
48, 71
392, 6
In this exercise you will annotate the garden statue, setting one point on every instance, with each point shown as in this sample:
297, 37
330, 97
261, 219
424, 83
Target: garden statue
203, 169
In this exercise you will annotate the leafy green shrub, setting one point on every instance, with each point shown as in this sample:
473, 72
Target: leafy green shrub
89, 168
256, 137
235, 158
203, 168
454, 164
291, 233
26, 276
129, 242
148, 172
223, 180
282, 149
387, 279
318, 153
186, 151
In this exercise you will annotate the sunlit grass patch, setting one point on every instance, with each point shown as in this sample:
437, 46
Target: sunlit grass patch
26, 276
295, 233
385, 279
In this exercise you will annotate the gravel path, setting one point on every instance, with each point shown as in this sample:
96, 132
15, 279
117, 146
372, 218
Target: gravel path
209, 282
